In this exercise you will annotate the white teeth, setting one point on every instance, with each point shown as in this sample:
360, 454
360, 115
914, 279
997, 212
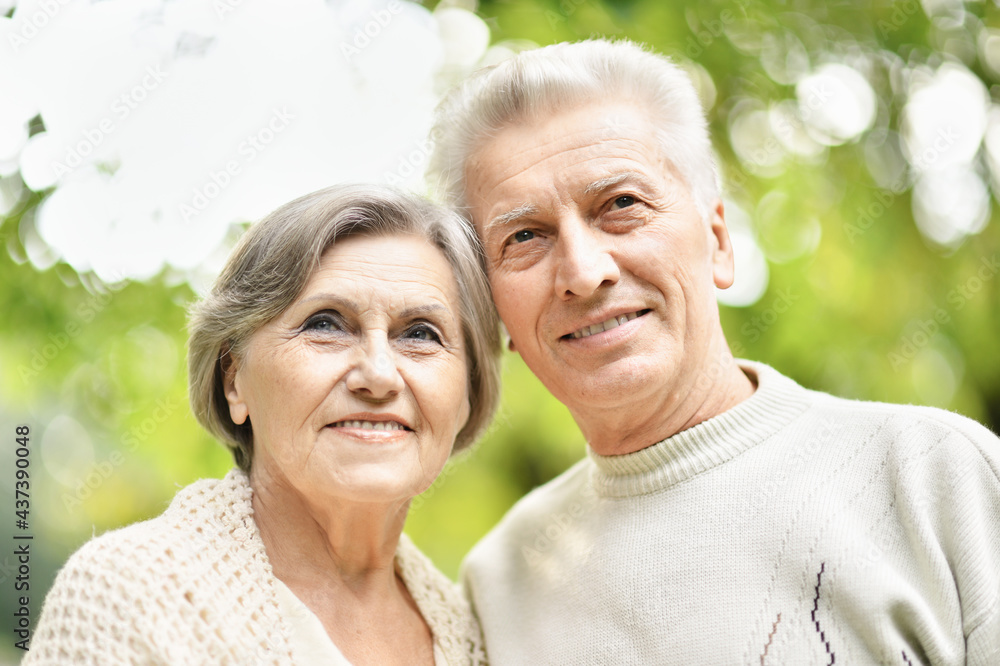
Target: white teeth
369, 425
614, 322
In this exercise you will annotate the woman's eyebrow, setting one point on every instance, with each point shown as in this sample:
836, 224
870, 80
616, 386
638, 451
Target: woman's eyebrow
348, 305
420, 310
333, 299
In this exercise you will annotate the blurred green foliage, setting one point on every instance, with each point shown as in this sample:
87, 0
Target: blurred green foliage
832, 316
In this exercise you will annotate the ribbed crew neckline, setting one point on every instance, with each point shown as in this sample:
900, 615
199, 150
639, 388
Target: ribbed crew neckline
690, 452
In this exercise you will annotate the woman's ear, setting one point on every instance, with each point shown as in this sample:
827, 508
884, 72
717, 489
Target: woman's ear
504, 333
239, 412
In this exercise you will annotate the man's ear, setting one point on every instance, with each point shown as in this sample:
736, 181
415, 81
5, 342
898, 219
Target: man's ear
239, 411
722, 248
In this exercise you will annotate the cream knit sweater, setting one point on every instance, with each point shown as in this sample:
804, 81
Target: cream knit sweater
796, 528
194, 586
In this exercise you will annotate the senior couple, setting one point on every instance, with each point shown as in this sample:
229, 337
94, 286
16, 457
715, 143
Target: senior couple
722, 515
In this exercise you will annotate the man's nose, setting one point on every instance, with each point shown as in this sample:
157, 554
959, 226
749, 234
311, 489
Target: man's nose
584, 261
374, 375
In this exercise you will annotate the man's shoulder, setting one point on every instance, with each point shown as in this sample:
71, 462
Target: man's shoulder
856, 413
917, 416
566, 489
931, 434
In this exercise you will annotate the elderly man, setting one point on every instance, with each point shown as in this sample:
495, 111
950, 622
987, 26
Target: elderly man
723, 514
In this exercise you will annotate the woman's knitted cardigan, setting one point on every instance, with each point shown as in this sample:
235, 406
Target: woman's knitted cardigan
194, 586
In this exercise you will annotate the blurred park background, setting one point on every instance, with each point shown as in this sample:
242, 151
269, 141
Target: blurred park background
859, 146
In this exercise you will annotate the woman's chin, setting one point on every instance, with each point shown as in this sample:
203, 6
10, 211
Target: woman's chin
375, 485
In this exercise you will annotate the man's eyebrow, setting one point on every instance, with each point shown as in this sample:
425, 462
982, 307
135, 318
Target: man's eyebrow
504, 219
611, 181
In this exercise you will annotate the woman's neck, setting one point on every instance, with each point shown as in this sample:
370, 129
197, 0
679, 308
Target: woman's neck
339, 560
344, 543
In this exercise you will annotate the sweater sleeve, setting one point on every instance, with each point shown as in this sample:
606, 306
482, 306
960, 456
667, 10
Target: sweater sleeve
983, 643
974, 526
89, 614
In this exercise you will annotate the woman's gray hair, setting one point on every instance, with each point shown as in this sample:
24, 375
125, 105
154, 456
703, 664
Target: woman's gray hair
275, 259
546, 80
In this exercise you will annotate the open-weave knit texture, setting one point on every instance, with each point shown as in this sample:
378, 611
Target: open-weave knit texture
796, 528
194, 586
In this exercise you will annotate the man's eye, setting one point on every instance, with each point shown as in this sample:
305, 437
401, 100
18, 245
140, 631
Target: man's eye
623, 202
523, 235
423, 332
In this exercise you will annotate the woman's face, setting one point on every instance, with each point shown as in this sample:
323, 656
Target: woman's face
358, 389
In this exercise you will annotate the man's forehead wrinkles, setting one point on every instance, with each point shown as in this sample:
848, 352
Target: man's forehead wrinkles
547, 131
600, 177
597, 143
510, 181
526, 148
587, 172
525, 140
529, 168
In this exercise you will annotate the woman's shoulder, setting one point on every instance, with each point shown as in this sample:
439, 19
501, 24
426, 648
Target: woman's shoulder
417, 571
442, 605
127, 561
200, 516
166, 586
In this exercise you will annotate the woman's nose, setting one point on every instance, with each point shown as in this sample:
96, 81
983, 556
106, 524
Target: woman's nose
374, 374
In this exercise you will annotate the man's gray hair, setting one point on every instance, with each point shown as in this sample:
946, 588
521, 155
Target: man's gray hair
275, 259
542, 81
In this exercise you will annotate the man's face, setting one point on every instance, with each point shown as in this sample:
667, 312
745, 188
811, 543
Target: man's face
601, 266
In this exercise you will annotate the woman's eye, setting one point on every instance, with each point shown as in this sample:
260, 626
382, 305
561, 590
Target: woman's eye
623, 202
523, 235
423, 332
321, 322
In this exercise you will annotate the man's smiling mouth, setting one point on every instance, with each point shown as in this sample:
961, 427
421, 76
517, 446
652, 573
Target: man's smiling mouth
607, 325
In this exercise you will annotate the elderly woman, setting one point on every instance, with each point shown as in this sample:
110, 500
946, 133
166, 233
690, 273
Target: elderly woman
348, 347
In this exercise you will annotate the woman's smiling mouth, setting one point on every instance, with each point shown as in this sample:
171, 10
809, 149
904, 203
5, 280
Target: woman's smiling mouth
370, 425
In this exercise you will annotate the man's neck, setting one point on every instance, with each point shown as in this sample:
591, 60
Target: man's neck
719, 388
